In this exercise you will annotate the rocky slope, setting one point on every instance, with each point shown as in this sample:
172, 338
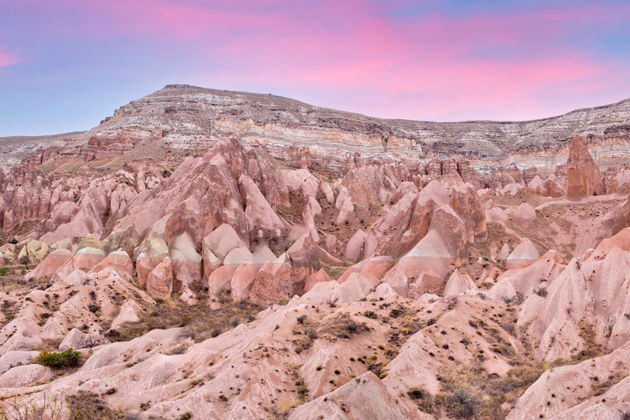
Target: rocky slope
186, 115
186, 119
270, 282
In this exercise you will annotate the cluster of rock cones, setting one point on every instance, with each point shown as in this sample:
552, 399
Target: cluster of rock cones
380, 291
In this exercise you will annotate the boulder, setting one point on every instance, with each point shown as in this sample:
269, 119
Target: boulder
274, 282
553, 187
32, 252
222, 240
258, 212
617, 219
160, 279
87, 258
149, 254
319, 277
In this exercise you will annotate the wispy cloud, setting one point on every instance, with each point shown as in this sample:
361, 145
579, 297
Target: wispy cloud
431, 59
7, 59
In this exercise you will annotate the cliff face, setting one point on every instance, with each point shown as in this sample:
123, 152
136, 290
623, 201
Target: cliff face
187, 114
191, 119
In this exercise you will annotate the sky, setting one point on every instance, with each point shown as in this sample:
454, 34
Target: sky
67, 64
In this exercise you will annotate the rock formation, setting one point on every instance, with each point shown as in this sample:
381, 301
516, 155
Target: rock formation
216, 254
583, 177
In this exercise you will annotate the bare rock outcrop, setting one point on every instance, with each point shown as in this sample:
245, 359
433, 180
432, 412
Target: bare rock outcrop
583, 177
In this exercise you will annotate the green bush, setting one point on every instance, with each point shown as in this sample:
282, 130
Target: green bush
3, 271
56, 360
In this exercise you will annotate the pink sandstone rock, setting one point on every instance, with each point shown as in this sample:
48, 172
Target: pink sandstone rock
319, 277
49, 266
523, 255
457, 284
26, 375
160, 279
355, 246
583, 177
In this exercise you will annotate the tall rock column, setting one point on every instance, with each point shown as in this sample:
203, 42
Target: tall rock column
583, 177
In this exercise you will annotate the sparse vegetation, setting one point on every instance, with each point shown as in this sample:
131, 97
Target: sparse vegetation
459, 403
198, 322
590, 348
341, 326
602, 386
300, 386
89, 406
305, 333
470, 391
9, 310
370, 314
409, 323
423, 399
334, 272
379, 368
45, 406
179, 349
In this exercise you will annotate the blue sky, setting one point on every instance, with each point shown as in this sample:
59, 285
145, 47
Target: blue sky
65, 65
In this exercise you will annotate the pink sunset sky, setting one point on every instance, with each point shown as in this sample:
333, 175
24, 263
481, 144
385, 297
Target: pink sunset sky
64, 65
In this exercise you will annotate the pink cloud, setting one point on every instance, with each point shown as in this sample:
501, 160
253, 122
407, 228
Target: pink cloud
438, 67
433, 66
7, 59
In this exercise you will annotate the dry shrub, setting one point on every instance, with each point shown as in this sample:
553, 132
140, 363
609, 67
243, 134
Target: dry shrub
89, 406
470, 391
423, 399
341, 326
199, 322
305, 333
47, 407
591, 348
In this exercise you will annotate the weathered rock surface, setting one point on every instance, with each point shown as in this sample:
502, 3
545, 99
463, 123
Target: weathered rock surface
583, 177
227, 255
